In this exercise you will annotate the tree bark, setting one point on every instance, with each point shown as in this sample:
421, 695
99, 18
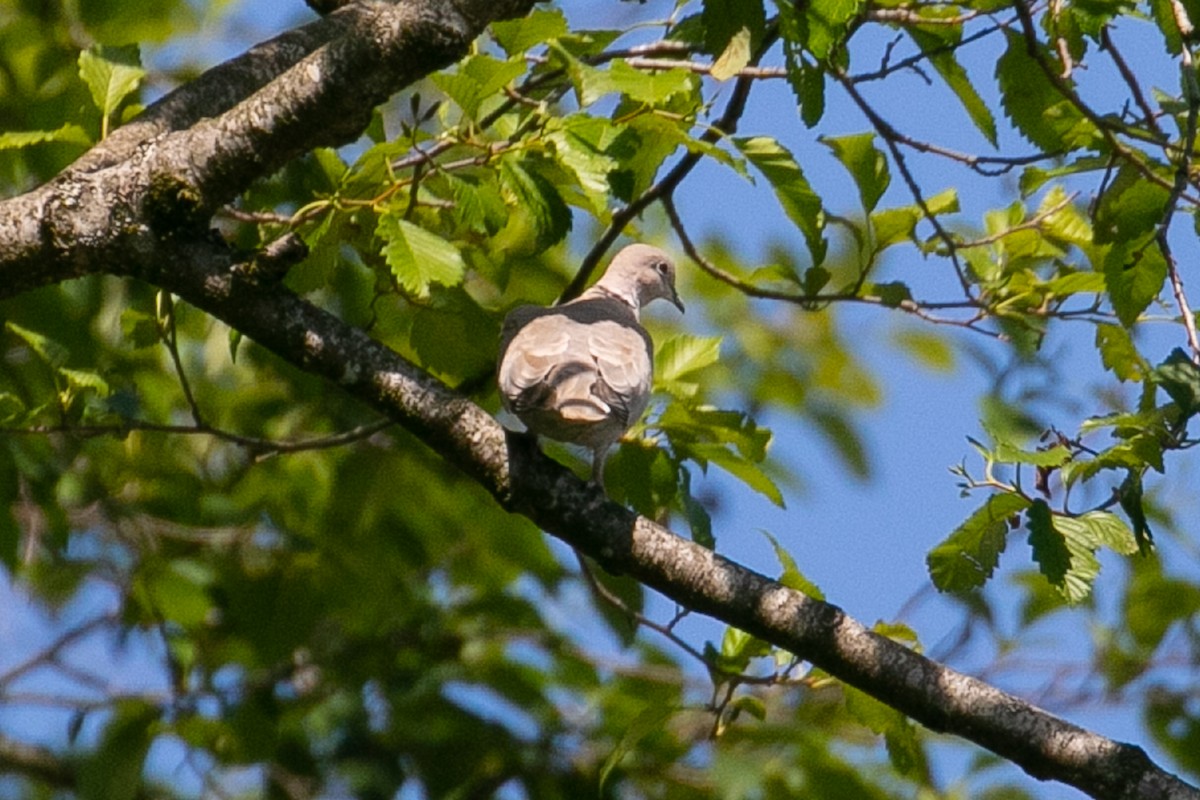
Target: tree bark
140, 204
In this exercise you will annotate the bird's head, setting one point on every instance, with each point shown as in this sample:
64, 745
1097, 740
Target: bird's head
641, 273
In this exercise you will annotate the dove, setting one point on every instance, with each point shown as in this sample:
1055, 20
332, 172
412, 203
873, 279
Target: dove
581, 372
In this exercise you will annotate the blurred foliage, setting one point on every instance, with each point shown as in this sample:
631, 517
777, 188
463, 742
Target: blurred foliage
331, 604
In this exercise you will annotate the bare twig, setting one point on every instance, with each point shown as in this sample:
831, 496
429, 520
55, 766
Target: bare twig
262, 448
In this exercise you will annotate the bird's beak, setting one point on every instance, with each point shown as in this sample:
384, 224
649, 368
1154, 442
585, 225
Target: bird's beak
675, 299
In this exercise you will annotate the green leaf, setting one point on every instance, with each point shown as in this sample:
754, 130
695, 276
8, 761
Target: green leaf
738, 466
682, 355
642, 476
518, 35
937, 43
827, 23
1065, 551
478, 78
653, 89
1054, 456
179, 592
728, 20
966, 559
580, 147
1134, 273
684, 425
1119, 354
69, 133
81, 379
837, 429
792, 577
537, 197
750, 704
1105, 529
865, 163
796, 196
734, 58
933, 351
1037, 109
50, 351
114, 770
738, 648
111, 75
416, 257
139, 328
902, 742
649, 720
699, 520
1075, 283
1130, 207
1180, 378
807, 80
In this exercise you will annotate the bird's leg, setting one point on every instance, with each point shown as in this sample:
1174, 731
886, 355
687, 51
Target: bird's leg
599, 456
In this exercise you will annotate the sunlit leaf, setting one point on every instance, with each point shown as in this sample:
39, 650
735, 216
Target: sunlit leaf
416, 257
966, 559
795, 195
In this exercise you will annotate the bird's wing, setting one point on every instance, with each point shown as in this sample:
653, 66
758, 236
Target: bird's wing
622, 356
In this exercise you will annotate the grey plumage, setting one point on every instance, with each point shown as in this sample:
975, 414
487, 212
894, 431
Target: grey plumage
581, 372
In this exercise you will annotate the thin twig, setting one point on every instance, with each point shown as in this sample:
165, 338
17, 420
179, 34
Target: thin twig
815, 301
262, 448
725, 126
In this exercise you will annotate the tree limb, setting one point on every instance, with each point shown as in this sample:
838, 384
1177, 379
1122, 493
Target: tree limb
139, 206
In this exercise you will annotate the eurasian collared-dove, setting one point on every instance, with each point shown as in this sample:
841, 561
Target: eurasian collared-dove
581, 372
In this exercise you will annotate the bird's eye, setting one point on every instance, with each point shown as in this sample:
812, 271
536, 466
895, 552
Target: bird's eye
661, 267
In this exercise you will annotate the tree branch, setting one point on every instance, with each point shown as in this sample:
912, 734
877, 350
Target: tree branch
143, 212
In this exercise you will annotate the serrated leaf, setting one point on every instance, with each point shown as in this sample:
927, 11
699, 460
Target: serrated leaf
69, 133
1064, 551
111, 75
1054, 456
1037, 109
685, 425
478, 78
894, 225
1130, 207
791, 576
827, 23
592, 83
1118, 353
683, 354
966, 559
1076, 283
748, 472
1105, 529
796, 197
738, 648
50, 351
538, 198
80, 379
540, 26
726, 20
865, 163
938, 47
1180, 378
1134, 273
735, 56
416, 257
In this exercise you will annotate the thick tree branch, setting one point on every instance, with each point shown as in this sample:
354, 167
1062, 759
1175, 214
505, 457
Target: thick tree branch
142, 209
